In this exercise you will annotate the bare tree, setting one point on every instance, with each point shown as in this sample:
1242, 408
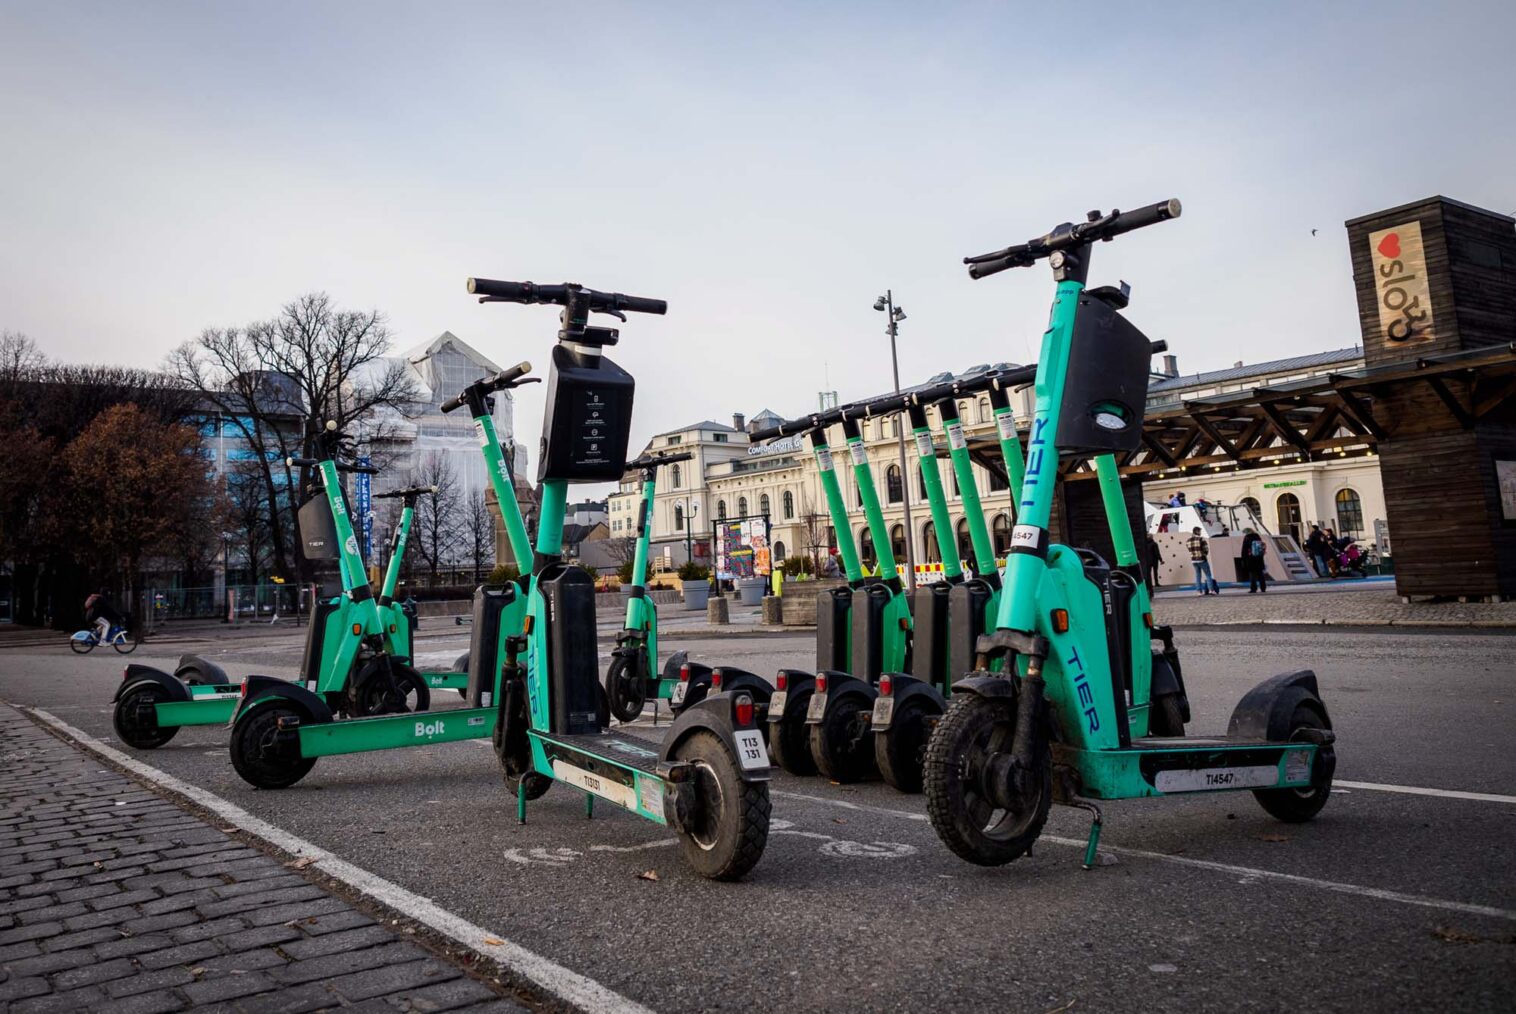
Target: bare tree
479, 533
278, 382
247, 513
815, 526
435, 528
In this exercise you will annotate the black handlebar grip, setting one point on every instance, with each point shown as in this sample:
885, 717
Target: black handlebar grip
983, 269
641, 304
453, 404
359, 469
1141, 218
509, 375
518, 292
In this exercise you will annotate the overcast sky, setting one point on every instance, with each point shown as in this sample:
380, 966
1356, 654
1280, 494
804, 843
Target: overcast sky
768, 169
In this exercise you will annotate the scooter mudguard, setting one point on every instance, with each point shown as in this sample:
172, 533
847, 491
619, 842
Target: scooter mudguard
136, 673
838, 686
1166, 680
695, 688
209, 671
1265, 711
903, 688
717, 715
788, 705
672, 666
258, 690
987, 686
729, 678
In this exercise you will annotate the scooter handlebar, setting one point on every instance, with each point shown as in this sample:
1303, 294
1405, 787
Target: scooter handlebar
1099, 227
531, 292
508, 377
654, 460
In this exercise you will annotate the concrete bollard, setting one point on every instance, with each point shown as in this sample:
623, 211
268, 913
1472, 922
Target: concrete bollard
773, 609
717, 611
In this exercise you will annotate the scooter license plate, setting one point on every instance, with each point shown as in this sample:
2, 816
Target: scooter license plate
884, 710
677, 697
751, 753
817, 708
776, 704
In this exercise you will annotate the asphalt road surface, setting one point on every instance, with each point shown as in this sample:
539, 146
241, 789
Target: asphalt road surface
1390, 900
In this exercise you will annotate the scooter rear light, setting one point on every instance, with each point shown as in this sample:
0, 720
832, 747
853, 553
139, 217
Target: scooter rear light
716, 680
886, 685
781, 681
744, 710
684, 673
821, 683
242, 690
123, 674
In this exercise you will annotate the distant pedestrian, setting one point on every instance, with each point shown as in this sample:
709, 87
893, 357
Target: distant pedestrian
1255, 562
1175, 500
1319, 550
1200, 559
1154, 559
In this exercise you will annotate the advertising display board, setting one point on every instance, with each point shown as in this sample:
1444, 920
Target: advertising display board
742, 547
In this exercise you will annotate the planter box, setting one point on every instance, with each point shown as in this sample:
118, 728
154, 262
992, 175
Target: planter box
696, 594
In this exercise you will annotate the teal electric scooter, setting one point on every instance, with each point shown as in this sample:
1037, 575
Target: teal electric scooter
708, 779
1067, 715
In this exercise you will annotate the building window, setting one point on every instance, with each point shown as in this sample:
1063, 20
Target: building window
894, 488
721, 510
931, 552
1253, 505
742, 506
858, 493
1349, 512
866, 549
921, 478
778, 552
763, 504
998, 482
956, 490
678, 517
678, 475
965, 542
720, 438
789, 505
1287, 508
677, 439
1000, 534
897, 542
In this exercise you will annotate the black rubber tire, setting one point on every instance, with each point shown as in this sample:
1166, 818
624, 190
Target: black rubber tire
516, 768
732, 823
461, 664
249, 736
79, 647
132, 734
900, 751
832, 750
972, 727
1166, 716
371, 696
790, 743
626, 688
126, 643
1296, 806
193, 676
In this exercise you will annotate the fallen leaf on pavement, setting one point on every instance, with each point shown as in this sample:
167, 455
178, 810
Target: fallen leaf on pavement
1448, 934
648, 875
301, 863
493, 941
1274, 837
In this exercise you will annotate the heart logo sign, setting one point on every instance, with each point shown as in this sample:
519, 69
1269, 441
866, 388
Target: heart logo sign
1390, 245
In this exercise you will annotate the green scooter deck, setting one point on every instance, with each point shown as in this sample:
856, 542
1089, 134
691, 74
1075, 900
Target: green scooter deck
615, 768
208, 705
1159, 766
386, 732
446, 680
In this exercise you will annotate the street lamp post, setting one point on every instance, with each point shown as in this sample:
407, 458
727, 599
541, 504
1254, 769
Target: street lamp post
895, 314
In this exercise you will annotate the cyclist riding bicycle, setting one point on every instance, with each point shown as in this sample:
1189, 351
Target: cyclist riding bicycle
99, 613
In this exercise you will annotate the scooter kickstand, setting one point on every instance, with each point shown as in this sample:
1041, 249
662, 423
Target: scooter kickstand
521, 802
589, 806
1095, 824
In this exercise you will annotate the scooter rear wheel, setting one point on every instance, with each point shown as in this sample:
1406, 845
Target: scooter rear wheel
841, 752
900, 751
972, 731
790, 740
135, 731
256, 754
730, 824
1296, 806
626, 688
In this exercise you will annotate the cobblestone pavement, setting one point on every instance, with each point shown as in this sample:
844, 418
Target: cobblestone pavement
1357, 607
113, 898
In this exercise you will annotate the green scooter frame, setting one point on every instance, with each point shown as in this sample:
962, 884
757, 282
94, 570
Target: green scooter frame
1073, 634
398, 617
279, 729
631, 681
708, 779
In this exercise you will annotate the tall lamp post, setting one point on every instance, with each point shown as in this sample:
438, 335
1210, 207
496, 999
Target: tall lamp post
894, 315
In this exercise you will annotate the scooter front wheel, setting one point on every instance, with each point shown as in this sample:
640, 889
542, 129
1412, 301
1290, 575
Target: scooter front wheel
133, 722
626, 688
259, 757
900, 751
971, 733
378, 695
729, 826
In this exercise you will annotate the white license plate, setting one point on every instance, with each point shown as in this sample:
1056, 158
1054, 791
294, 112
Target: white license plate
677, 697
884, 710
1262, 776
751, 753
816, 709
776, 705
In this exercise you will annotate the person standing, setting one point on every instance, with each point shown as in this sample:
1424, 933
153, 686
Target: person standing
1253, 549
1154, 559
1200, 559
1317, 547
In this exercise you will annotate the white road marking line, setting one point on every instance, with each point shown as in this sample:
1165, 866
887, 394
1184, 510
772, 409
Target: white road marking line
571, 987
1399, 897
1416, 790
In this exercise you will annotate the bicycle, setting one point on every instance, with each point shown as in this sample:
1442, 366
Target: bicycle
85, 641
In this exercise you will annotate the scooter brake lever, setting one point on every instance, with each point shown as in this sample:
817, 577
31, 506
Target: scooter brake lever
614, 313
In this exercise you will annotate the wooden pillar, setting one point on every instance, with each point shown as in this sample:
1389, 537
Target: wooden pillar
1432, 277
